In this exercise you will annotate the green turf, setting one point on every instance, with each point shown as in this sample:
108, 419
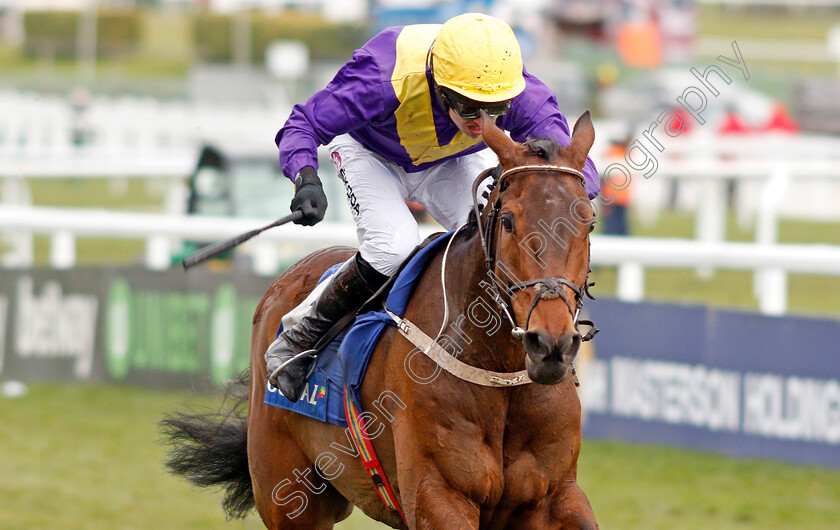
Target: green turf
644, 486
75, 456
117, 194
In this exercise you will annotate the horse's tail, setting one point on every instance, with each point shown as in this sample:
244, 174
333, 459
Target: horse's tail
210, 449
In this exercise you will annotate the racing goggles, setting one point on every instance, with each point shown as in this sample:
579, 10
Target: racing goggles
470, 109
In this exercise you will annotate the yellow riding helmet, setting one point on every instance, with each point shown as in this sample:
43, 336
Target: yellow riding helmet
478, 57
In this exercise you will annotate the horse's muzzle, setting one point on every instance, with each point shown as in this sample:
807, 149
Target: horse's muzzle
548, 360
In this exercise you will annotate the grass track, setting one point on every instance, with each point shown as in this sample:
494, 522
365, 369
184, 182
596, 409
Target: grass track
87, 457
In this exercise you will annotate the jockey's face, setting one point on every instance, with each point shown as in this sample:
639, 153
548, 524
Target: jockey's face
471, 127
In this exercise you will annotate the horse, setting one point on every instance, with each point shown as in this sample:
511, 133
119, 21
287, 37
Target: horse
458, 455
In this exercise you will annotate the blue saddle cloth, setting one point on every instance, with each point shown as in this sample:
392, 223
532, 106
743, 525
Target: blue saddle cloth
345, 360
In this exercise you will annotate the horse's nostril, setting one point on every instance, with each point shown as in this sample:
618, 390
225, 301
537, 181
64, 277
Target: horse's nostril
572, 345
537, 342
542, 347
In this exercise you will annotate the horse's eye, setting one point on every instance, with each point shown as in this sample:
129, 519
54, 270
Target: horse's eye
507, 223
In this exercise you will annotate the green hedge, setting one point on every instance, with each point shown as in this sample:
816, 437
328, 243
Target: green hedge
50, 33
213, 36
118, 32
53, 33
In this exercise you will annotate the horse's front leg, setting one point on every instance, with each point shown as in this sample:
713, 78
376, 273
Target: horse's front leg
447, 474
446, 477
434, 505
566, 507
434, 481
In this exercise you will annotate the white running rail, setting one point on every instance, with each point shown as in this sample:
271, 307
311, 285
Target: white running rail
163, 233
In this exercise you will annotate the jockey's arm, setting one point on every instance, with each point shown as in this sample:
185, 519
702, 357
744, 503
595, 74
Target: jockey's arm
352, 99
534, 114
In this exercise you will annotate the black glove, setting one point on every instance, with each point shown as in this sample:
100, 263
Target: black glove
309, 197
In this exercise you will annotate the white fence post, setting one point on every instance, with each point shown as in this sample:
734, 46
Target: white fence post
265, 258
22, 249
63, 249
772, 297
631, 282
766, 281
711, 216
20, 243
158, 252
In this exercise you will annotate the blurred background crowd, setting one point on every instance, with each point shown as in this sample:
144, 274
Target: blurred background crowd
173, 77
176, 76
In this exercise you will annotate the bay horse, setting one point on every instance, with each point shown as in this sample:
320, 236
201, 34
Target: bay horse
458, 455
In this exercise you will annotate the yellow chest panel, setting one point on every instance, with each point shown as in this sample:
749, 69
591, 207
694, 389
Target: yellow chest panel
415, 121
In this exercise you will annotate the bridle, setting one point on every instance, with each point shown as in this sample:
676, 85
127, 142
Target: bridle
547, 288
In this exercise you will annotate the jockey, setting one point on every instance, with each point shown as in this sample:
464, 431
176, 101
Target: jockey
402, 122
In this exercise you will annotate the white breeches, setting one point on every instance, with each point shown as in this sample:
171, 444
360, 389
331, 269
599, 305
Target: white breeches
377, 190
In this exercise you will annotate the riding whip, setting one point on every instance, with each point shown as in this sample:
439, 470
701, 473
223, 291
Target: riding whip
210, 251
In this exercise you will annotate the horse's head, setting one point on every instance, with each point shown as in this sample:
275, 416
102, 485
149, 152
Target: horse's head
536, 237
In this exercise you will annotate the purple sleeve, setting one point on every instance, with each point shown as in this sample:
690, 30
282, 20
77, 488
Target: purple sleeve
534, 114
353, 98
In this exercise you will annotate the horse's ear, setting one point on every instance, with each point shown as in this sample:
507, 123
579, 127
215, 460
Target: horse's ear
583, 136
506, 149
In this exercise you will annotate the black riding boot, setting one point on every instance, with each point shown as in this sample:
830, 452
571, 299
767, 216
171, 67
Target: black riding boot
350, 287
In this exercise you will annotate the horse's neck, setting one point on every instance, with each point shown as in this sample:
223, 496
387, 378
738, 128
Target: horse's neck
476, 323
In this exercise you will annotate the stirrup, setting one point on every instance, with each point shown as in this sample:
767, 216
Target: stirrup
306, 353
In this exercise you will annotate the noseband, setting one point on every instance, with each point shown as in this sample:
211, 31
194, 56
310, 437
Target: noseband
547, 288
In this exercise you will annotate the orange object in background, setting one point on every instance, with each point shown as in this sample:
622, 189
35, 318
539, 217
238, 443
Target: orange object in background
615, 201
639, 44
620, 197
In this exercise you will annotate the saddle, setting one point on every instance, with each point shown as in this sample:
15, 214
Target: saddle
341, 365
376, 301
